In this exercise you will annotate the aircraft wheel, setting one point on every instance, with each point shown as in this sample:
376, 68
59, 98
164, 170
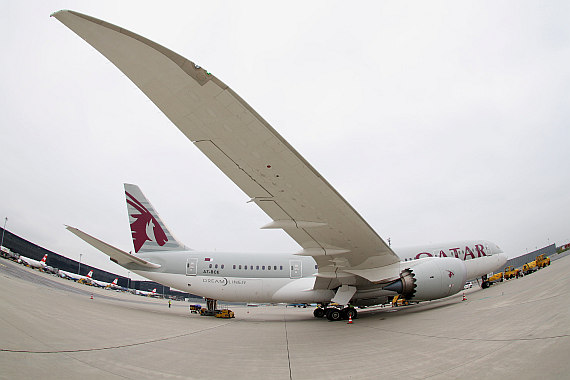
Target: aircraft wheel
334, 314
319, 312
485, 285
349, 312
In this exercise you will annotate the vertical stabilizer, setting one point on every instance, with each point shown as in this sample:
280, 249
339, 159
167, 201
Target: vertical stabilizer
148, 230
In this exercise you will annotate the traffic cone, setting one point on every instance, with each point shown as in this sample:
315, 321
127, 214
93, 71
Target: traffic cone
349, 319
91, 296
464, 298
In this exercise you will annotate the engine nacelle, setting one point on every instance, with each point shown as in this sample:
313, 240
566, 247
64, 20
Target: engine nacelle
430, 278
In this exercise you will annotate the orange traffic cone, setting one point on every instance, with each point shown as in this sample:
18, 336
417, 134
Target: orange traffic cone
464, 298
91, 296
350, 319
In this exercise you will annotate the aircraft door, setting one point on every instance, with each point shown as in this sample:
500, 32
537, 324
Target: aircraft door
191, 267
296, 268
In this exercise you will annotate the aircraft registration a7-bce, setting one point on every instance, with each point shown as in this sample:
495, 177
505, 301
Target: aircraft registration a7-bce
342, 260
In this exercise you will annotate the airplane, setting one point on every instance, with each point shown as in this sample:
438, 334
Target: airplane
114, 285
152, 293
104, 284
342, 260
75, 276
41, 264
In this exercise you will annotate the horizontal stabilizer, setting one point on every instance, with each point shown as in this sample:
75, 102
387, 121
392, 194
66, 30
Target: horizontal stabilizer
118, 256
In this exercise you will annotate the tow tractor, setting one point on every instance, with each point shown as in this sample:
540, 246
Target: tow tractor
542, 262
211, 310
511, 272
497, 277
399, 301
225, 313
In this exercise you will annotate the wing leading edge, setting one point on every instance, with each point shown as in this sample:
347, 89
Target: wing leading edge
245, 147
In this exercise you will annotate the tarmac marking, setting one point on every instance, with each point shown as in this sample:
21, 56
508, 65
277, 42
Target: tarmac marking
115, 347
287, 344
472, 339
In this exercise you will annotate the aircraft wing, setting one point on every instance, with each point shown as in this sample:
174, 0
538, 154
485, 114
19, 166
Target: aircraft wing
244, 146
117, 256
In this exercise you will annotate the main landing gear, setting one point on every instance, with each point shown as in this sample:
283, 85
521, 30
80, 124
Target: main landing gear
335, 313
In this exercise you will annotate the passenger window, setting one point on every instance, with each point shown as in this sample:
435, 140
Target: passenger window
263, 267
269, 267
251, 267
216, 266
234, 266
257, 267
245, 267
240, 267
210, 266
275, 267
222, 266
280, 267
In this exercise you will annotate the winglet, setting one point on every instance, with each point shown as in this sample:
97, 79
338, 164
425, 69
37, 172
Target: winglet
117, 256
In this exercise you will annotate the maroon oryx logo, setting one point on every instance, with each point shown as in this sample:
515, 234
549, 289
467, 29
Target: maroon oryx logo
145, 227
450, 274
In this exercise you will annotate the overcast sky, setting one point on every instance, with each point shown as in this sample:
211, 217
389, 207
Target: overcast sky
437, 121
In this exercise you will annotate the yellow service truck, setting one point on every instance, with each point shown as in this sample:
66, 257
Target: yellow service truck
542, 262
529, 268
225, 313
511, 272
497, 277
399, 301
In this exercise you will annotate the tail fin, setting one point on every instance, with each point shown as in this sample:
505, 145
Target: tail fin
44, 258
148, 230
115, 281
89, 274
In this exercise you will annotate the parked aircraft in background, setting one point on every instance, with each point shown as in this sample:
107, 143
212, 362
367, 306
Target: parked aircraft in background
342, 259
114, 284
104, 284
75, 276
152, 293
34, 263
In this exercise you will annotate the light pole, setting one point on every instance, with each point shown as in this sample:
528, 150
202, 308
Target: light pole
129, 280
79, 268
3, 229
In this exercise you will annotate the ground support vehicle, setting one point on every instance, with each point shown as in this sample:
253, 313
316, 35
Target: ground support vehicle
529, 268
542, 262
195, 309
497, 277
399, 301
208, 312
225, 313
511, 272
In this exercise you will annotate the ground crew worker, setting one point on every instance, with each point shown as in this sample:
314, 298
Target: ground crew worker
169, 304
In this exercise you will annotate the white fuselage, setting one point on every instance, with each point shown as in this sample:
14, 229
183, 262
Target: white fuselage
239, 277
33, 263
74, 276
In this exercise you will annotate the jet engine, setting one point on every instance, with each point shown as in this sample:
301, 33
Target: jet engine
430, 278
